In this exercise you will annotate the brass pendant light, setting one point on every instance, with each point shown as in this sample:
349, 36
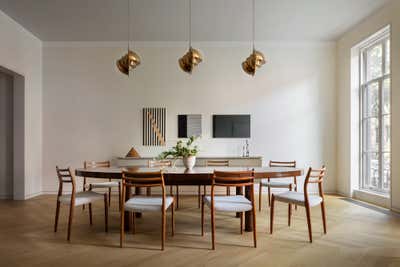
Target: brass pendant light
193, 57
130, 60
256, 58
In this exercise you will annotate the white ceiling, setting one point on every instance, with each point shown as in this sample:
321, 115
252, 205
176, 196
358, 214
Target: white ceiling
166, 20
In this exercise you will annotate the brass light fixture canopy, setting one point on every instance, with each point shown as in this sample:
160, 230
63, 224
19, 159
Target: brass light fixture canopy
128, 62
253, 62
191, 59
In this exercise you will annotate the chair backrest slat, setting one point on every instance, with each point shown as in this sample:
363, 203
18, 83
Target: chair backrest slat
238, 178
160, 163
96, 164
143, 179
291, 164
65, 175
217, 163
314, 176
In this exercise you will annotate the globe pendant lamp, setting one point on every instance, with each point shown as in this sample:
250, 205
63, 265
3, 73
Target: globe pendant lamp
193, 57
256, 58
130, 60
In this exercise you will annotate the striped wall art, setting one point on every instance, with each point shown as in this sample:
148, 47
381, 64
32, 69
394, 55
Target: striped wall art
154, 126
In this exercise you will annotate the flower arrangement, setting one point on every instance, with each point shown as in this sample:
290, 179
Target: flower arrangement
181, 150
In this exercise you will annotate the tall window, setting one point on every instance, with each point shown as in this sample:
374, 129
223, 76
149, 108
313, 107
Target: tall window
375, 114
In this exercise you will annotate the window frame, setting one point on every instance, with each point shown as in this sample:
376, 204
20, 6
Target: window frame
378, 39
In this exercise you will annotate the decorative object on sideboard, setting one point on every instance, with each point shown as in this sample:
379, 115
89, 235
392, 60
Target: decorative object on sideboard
193, 57
154, 126
256, 58
246, 151
132, 153
189, 125
187, 151
130, 60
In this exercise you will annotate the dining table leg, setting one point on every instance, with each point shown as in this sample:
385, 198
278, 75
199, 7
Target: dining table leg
128, 194
239, 191
248, 219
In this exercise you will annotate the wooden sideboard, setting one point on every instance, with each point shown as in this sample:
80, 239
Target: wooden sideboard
200, 161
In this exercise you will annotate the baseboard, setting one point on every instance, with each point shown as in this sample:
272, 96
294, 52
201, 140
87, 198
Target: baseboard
5, 197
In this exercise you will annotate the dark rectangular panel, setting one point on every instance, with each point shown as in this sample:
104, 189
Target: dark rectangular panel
231, 126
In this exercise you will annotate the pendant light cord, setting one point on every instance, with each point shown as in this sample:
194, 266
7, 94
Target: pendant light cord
129, 23
190, 23
254, 24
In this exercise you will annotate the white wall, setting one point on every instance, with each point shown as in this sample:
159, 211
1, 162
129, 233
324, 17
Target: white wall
388, 15
21, 52
91, 111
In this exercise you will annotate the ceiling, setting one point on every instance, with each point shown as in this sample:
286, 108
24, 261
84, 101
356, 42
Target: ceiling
167, 20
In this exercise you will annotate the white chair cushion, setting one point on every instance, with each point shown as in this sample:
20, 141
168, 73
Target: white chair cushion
147, 203
82, 198
104, 184
229, 203
297, 198
277, 184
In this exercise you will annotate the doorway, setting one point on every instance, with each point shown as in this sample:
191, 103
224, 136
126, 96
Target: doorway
6, 136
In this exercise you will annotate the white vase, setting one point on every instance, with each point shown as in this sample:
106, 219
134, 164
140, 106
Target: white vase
189, 162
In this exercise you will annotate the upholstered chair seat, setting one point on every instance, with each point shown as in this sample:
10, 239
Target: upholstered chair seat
104, 185
147, 203
298, 198
277, 184
229, 203
81, 198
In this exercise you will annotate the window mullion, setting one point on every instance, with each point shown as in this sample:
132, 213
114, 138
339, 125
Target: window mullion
380, 127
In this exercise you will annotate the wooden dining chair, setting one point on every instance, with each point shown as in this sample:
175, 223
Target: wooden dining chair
162, 164
237, 203
76, 199
214, 163
277, 184
101, 185
314, 176
141, 204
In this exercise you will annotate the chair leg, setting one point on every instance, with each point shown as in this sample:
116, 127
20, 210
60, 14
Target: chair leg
228, 191
202, 216
213, 228
105, 213
308, 213
172, 219
259, 196
57, 216
241, 222
269, 196
90, 214
71, 215
109, 196
271, 217
254, 226
148, 191
289, 213
323, 215
119, 196
84, 189
198, 196
177, 197
122, 228
133, 222
163, 230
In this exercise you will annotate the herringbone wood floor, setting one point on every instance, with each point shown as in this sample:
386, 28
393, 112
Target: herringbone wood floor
357, 236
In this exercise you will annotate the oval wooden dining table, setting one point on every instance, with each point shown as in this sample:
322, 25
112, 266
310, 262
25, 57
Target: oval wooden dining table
196, 176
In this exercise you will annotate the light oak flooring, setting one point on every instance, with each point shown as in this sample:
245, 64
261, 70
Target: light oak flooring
357, 236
